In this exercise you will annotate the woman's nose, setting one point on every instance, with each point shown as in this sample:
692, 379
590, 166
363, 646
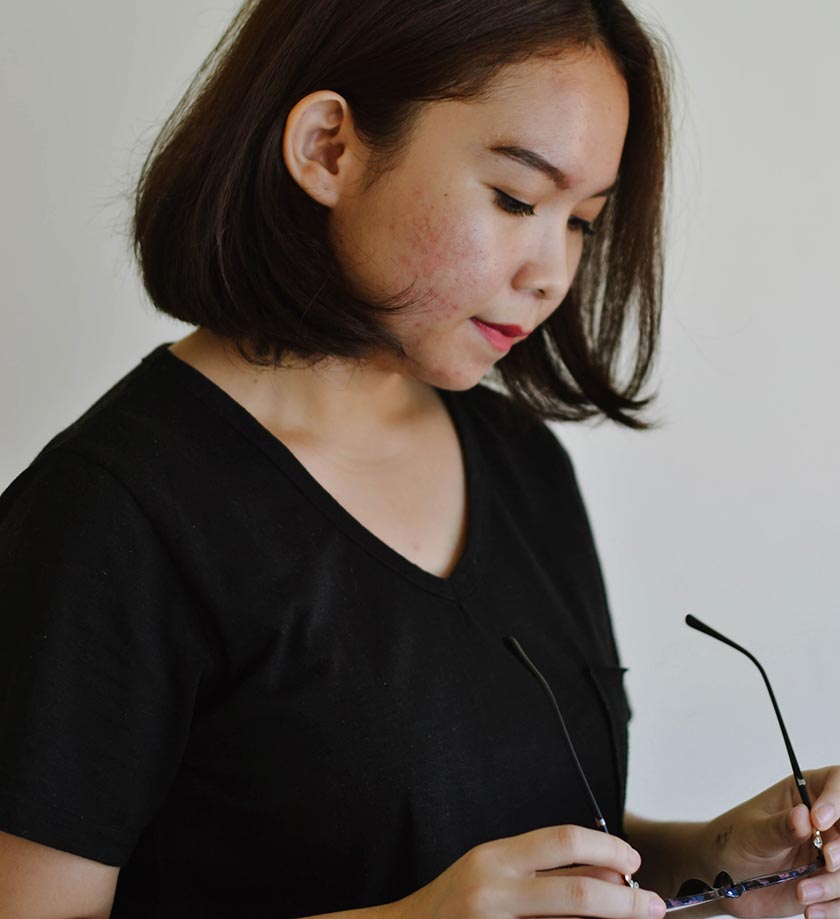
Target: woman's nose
554, 269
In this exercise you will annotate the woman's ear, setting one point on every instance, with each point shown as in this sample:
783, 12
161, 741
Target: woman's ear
321, 148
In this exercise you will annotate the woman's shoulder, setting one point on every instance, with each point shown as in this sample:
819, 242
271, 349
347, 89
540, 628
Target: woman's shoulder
128, 420
88, 478
153, 427
147, 446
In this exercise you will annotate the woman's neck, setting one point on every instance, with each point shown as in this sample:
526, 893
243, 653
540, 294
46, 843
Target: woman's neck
351, 405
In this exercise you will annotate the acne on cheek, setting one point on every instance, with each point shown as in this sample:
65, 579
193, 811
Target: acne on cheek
433, 309
429, 242
442, 249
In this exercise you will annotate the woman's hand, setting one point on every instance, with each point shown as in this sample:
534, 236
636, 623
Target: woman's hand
555, 871
773, 832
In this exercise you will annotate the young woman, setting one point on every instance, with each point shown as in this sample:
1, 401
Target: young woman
255, 603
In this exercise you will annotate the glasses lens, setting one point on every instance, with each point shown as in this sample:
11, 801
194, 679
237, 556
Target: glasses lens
694, 892
692, 887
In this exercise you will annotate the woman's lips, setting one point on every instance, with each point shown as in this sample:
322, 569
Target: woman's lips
501, 337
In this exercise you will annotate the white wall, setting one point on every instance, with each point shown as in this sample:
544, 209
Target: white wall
729, 511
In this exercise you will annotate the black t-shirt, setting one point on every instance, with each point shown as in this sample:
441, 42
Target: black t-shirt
215, 677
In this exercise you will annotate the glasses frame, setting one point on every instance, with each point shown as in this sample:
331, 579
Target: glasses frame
694, 892
726, 888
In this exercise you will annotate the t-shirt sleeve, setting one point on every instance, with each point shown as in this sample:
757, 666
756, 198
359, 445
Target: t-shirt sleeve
101, 658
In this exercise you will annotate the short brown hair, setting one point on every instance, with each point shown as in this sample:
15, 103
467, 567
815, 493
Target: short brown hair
225, 238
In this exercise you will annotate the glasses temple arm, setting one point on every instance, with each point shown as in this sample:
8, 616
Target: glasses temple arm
513, 646
516, 649
695, 623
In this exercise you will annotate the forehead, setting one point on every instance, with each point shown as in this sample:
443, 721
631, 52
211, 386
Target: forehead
584, 81
573, 110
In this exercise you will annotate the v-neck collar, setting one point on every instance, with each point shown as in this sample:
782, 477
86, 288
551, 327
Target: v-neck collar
461, 580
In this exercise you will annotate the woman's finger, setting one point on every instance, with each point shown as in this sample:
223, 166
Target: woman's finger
825, 815
590, 871
550, 847
824, 911
826, 809
819, 891
582, 896
776, 833
831, 850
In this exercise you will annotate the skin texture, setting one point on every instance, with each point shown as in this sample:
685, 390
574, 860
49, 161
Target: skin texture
37, 880
376, 435
434, 221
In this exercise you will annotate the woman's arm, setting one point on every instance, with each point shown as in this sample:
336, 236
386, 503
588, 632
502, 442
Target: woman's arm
37, 880
774, 831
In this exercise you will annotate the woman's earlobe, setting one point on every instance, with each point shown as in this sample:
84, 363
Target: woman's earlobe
315, 146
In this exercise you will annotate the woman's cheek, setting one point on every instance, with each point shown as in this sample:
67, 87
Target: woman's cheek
444, 244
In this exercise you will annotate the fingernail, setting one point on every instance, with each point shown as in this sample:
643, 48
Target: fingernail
657, 908
826, 815
815, 914
810, 891
832, 854
635, 859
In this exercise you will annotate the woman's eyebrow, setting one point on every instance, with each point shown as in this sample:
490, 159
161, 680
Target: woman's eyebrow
540, 164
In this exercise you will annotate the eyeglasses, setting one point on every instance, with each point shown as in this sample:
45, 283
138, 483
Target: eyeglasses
694, 892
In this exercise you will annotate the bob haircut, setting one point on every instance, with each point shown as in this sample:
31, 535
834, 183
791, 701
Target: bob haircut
225, 238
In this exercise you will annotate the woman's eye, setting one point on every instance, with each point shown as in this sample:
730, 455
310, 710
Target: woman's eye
512, 206
520, 209
585, 226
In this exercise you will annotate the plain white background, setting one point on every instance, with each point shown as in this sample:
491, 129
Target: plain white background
729, 510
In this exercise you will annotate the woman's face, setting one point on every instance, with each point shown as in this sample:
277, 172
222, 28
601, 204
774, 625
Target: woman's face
441, 219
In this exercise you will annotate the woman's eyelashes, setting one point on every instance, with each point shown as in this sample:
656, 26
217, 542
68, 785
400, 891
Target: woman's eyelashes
512, 206
520, 209
585, 226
